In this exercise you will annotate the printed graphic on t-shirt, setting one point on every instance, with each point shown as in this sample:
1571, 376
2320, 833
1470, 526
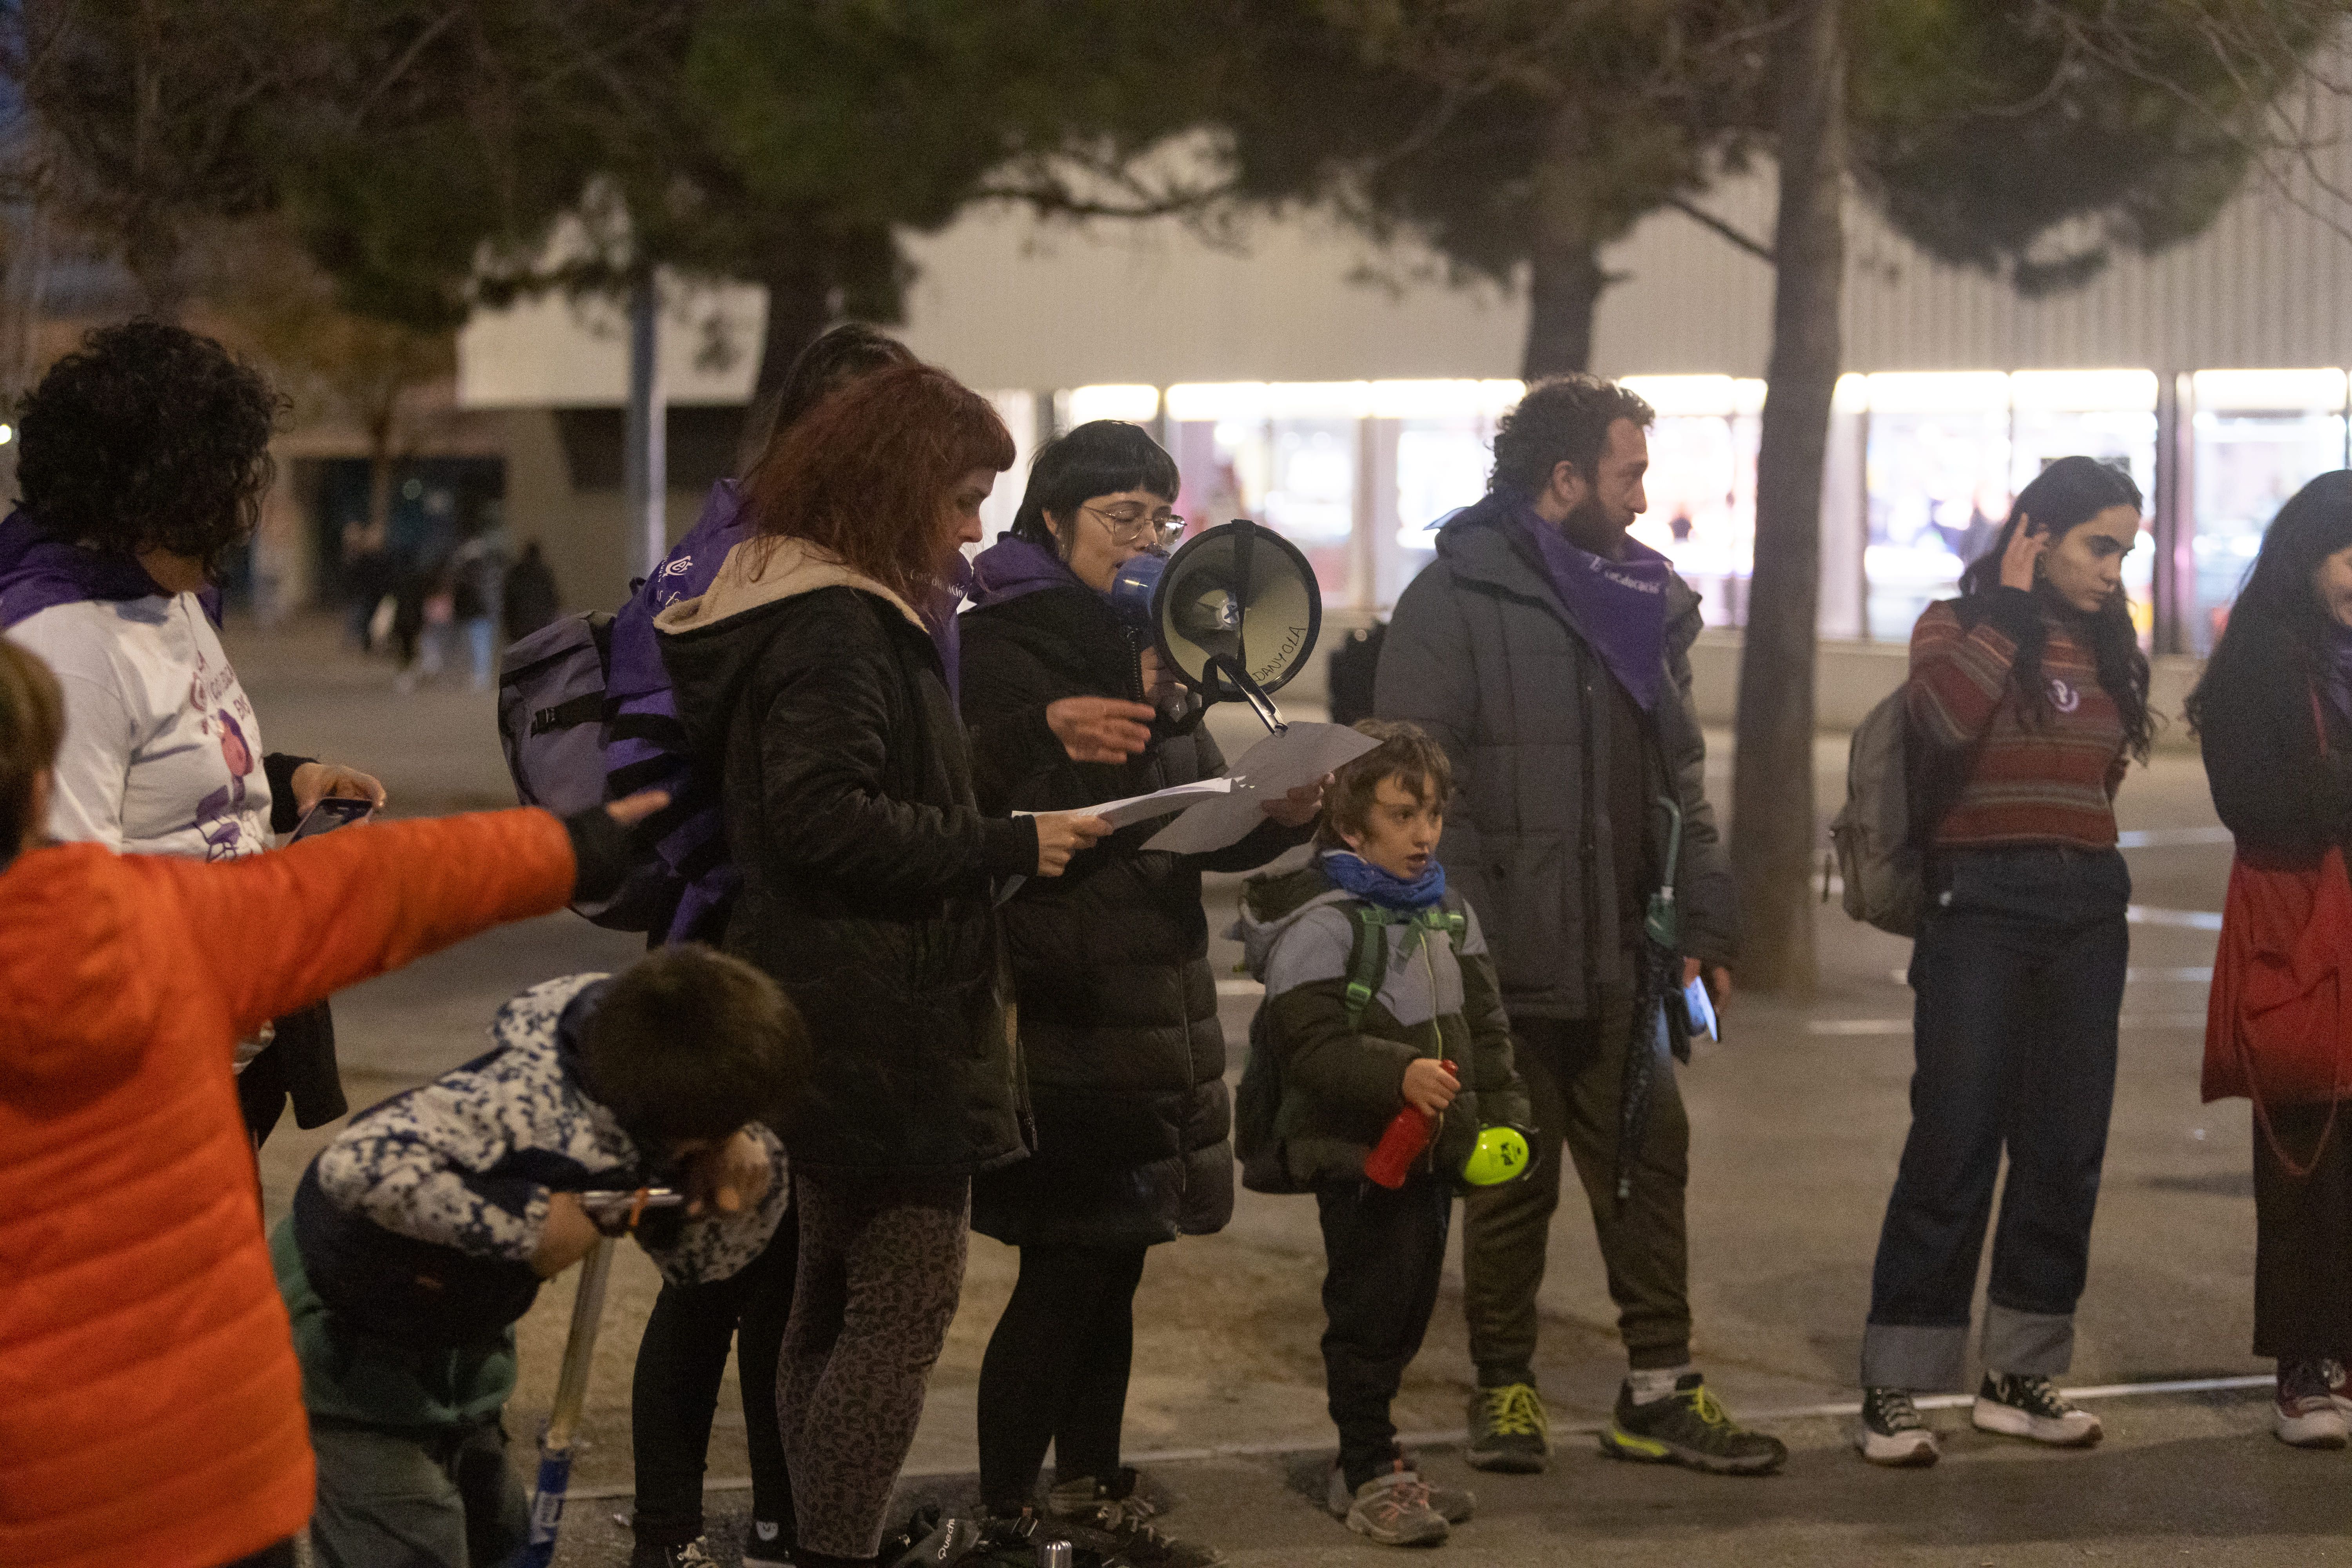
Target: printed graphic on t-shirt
2063, 695
217, 699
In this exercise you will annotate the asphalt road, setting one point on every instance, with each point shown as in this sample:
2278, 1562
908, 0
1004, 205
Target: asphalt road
1796, 1122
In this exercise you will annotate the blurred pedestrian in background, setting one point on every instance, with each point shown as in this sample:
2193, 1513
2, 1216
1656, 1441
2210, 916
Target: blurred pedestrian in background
2273, 713
2028, 700
1549, 653
1119, 1039
529, 599
143, 459
809, 680
151, 1410
682, 1357
477, 594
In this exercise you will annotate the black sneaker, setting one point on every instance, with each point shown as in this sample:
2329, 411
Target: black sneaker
1892, 1432
764, 1545
695, 1554
1510, 1430
1689, 1427
1124, 1519
2028, 1406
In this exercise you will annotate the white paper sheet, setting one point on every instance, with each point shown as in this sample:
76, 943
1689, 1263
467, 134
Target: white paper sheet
1159, 803
1275, 767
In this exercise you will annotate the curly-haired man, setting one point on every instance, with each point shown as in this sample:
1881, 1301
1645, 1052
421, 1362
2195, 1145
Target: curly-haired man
1548, 653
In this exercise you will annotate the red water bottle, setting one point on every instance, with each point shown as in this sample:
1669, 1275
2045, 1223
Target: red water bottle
1409, 1132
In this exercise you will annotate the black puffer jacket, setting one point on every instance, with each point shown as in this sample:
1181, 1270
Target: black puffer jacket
1117, 1008
866, 866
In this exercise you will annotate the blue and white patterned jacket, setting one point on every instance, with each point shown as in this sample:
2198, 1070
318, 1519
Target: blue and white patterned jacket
418, 1222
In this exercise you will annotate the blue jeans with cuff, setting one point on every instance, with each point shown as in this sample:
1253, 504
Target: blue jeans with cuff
2019, 979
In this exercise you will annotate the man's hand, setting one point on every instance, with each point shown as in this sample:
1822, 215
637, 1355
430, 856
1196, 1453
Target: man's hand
1301, 806
630, 810
1101, 729
1428, 1087
1718, 980
727, 1177
1062, 834
315, 782
568, 1237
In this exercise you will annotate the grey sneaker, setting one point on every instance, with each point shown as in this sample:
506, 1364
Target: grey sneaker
1892, 1432
1689, 1427
1390, 1510
1510, 1430
2028, 1406
1121, 1516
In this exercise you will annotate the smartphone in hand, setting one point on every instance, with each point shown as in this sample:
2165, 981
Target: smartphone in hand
332, 813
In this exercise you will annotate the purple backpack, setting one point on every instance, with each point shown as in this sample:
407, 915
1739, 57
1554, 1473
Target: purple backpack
586, 715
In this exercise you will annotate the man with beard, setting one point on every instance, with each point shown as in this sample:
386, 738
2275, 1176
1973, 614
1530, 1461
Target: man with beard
1549, 654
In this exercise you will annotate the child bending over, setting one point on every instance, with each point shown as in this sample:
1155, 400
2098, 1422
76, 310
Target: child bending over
423, 1232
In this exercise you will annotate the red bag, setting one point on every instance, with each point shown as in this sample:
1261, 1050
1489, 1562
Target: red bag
2281, 1009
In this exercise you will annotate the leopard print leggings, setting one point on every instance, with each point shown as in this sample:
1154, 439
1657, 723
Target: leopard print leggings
881, 1267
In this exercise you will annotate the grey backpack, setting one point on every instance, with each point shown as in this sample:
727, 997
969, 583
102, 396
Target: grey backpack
1878, 856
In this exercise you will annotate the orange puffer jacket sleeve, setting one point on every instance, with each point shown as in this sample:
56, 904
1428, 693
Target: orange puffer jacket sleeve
150, 1403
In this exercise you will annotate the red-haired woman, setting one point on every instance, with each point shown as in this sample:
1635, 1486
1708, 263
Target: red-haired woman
811, 681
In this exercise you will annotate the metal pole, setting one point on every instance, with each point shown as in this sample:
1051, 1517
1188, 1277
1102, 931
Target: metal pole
571, 1398
644, 459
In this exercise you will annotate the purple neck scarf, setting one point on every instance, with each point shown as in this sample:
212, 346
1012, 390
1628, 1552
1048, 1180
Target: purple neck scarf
940, 619
1013, 567
40, 573
1619, 606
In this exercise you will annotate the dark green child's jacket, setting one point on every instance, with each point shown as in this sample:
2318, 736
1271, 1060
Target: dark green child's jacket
1340, 1084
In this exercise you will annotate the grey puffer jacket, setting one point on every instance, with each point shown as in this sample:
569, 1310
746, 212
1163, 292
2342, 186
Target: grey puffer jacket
1482, 655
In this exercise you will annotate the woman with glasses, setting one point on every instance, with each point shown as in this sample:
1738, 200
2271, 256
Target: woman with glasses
1118, 1009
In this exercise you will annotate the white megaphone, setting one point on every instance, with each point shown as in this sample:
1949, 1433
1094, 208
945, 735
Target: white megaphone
1234, 612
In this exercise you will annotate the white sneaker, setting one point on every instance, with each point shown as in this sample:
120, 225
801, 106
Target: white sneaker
2026, 1405
2304, 1412
1892, 1432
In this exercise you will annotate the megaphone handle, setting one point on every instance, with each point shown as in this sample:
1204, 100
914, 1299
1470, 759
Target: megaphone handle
1250, 691
1136, 643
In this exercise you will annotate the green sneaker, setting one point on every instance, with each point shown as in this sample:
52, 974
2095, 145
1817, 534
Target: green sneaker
1689, 1427
1510, 1430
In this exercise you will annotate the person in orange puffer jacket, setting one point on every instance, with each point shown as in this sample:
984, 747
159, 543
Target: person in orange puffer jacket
151, 1409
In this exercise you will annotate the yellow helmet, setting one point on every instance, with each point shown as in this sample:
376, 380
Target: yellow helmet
1500, 1155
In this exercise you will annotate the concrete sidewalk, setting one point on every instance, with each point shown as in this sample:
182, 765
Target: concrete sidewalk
1796, 1119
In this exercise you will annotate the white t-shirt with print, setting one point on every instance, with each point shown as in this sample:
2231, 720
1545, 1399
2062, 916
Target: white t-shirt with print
162, 753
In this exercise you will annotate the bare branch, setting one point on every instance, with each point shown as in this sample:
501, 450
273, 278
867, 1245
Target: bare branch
1707, 220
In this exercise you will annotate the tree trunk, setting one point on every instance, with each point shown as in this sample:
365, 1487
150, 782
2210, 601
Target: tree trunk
379, 522
1773, 830
1564, 276
800, 308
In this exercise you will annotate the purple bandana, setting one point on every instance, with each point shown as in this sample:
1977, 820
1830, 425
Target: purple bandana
39, 573
1013, 566
1619, 606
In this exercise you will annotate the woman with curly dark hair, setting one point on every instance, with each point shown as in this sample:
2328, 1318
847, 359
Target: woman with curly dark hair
143, 459
2029, 695
813, 687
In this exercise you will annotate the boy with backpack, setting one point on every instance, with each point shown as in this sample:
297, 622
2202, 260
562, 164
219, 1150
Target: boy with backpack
1382, 1009
423, 1232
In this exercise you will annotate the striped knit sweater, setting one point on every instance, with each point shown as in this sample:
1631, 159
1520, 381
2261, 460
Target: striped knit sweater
2046, 779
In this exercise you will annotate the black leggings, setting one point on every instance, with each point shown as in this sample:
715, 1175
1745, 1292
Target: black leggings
681, 1360
1055, 1371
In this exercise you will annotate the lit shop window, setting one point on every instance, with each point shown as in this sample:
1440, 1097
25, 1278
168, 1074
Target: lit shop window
1285, 453
2259, 436
1936, 472
1702, 484
1434, 442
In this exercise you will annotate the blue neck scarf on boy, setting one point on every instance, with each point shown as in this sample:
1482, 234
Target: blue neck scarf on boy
1618, 606
1354, 875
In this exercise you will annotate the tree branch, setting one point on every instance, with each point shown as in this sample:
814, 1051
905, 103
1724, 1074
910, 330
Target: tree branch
1707, 220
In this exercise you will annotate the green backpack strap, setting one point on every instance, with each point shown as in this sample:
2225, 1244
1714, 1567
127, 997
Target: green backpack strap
1368, 958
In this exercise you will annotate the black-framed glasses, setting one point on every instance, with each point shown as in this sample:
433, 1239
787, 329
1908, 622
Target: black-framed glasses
1133, 525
